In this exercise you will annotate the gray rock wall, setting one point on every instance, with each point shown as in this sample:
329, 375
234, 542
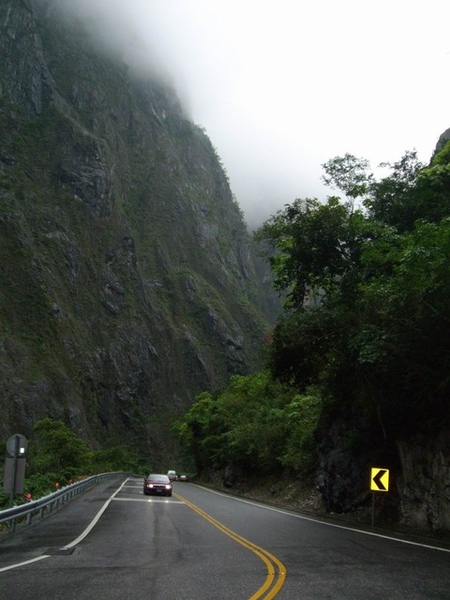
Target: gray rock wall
129, 281
424, 482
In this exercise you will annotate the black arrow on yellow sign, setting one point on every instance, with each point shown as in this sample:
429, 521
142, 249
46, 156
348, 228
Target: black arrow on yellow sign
379, 480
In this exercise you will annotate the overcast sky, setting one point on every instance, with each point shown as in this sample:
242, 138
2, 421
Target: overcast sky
281, 86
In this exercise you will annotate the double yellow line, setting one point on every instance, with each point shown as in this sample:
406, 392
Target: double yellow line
275, 568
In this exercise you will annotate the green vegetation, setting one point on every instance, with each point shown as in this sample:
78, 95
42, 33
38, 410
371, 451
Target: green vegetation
367, 310
129, 285
365, 328
57, 457
256, 423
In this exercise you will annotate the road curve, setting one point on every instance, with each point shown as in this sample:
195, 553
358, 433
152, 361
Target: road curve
117, 543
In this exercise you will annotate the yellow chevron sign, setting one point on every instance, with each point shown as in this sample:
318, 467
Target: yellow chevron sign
379, 480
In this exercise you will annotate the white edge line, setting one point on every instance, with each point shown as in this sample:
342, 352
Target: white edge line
315, 520
96, 519
77, 540
25, 562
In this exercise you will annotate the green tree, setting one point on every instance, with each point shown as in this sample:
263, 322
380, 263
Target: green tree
412, 192
200, 431
118, 458
57, 448
404, 348
302, 416
349, 175
365, 328
312, 245
367, 320
244, 425
394, 199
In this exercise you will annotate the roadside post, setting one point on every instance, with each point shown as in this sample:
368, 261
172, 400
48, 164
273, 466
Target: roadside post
14, 474
379, 482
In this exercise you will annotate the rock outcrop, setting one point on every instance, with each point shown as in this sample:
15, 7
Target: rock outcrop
129, 282
419, 474
424, 482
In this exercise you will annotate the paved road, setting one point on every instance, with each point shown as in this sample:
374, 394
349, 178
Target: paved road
114, 542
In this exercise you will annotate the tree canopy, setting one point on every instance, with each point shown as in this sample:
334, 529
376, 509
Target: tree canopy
367, 313
366, 325
256, 423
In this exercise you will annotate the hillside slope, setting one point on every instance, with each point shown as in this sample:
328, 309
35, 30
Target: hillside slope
128, 280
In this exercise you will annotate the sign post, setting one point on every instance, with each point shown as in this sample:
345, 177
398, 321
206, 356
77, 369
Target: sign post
15, 466
379, 482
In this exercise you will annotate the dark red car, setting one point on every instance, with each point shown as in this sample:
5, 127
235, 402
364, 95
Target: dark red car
156, 484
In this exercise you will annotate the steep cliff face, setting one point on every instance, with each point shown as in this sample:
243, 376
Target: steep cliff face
128, 281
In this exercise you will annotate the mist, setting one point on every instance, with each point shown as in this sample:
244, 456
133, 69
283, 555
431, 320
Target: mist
280, 87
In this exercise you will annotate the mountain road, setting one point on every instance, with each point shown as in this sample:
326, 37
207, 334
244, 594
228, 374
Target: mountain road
115, 542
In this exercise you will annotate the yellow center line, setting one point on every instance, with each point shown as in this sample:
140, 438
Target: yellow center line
272, 563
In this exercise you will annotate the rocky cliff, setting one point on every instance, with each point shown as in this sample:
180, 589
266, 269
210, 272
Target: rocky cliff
419, 475
128, 280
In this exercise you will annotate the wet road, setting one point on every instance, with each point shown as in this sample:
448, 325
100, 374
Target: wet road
114, 542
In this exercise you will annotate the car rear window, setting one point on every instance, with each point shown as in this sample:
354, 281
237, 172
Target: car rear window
162, 478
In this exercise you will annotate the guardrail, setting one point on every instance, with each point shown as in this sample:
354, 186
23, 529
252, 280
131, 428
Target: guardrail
47, 504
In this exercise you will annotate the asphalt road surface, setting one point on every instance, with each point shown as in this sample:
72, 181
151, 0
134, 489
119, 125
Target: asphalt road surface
115, 543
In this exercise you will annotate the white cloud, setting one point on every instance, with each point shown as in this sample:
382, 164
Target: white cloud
281, 86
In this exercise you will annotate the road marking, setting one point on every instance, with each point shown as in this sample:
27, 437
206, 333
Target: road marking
25, 562
78, 539
151, 500
271, 561
316, 520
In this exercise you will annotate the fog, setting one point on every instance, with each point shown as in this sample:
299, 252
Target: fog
282, 86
